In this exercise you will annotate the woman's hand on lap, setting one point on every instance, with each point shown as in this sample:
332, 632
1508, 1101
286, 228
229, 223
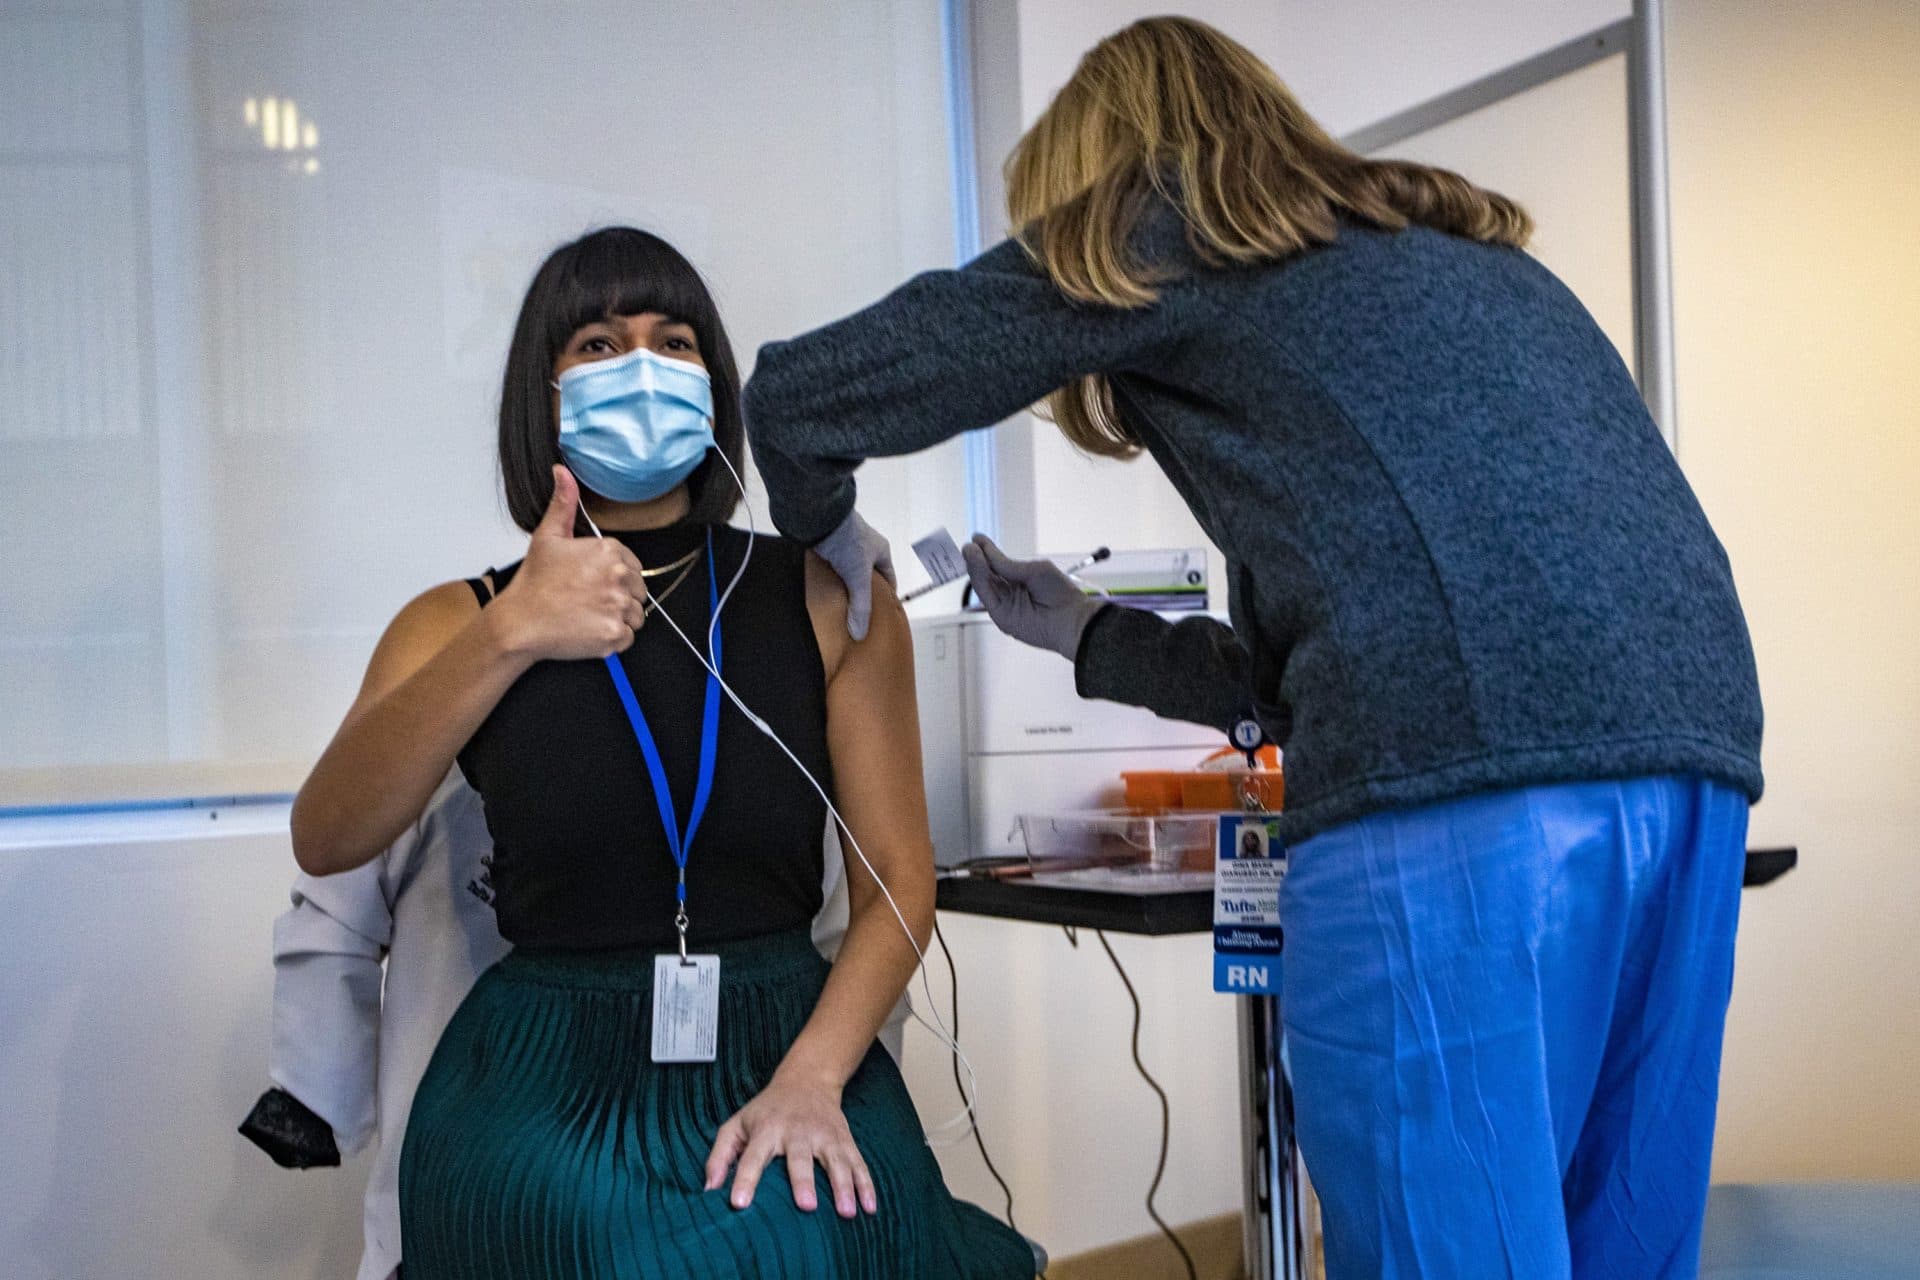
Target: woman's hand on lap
801, 1120
573, 597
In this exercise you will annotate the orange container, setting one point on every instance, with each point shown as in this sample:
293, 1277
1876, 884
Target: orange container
1209, 790
1153, 790
1225, 790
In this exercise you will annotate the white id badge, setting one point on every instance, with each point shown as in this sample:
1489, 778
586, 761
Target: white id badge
686, 1008
1249, 867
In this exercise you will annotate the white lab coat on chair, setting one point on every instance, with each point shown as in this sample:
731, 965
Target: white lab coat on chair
370, 965
355, 1058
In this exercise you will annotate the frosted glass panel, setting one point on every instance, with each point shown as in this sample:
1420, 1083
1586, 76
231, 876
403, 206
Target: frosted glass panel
258, 268
47, 108
1560, 150
70, 361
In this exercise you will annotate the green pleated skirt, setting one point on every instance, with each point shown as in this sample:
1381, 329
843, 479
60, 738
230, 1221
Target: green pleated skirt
545, 1142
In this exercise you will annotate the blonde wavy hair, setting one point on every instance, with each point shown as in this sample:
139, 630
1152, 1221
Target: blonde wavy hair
1170, 110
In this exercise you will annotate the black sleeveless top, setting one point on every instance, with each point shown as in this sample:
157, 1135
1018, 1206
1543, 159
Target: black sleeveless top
580, 860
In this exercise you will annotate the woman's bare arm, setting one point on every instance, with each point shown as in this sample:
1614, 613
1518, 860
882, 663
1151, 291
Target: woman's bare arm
440, 669
873, 737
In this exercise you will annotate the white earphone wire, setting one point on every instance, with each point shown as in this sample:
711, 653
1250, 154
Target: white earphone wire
961, 1124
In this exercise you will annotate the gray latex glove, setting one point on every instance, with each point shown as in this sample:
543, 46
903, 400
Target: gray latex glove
856, 551
1030, 600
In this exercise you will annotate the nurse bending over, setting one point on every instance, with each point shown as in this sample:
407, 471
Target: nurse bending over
609, 1095
1473, 598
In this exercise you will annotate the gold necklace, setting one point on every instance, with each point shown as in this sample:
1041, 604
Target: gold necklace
681, 563
653, 601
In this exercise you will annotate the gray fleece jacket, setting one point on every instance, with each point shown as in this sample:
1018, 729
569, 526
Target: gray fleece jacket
1461, 557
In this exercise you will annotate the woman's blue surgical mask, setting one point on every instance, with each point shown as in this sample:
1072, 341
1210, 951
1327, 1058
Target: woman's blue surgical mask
633, 428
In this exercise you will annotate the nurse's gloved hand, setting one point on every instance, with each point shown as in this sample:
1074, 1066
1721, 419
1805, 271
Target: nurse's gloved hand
855, 552
1030, 600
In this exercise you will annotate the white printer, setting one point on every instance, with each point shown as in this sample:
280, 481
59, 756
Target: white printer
1005, 734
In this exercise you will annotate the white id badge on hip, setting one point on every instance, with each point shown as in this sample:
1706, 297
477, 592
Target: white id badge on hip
686, 1008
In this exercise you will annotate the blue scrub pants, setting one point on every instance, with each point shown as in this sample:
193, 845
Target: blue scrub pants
1503, 1016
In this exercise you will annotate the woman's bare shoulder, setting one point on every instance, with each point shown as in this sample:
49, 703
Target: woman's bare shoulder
827, 605
424, 626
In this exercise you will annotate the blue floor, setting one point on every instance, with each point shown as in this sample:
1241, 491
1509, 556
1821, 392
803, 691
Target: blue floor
1813, 1231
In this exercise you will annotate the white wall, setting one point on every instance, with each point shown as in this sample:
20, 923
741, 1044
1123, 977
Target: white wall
135, 1006
1069, 1122
1796, 172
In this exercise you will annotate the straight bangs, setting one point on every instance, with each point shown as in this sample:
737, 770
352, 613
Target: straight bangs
610, 274
616, 271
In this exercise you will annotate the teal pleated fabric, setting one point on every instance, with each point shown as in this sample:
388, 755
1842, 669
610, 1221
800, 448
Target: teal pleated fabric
545, 1144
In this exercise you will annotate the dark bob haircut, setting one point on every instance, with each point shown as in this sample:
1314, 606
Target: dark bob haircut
616, 271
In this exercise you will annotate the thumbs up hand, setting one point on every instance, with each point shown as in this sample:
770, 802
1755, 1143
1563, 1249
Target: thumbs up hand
573, 597
559, 518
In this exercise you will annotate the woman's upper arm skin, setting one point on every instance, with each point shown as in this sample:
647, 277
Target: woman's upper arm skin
827, 606
873, 736
419, 631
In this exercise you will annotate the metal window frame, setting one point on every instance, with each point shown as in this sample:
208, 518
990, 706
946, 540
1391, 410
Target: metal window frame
1641, 38
957, 37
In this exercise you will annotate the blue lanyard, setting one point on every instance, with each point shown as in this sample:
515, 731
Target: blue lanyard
677, 843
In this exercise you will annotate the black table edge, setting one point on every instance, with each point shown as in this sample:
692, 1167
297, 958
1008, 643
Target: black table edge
1764, 866
1165, 914
1154, 914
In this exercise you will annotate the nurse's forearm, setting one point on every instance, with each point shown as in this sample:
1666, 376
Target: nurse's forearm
874, 966
946, 352
1195, 670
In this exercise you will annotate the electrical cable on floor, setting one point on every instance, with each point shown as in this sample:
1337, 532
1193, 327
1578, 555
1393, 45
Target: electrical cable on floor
1166, 1110
953, 988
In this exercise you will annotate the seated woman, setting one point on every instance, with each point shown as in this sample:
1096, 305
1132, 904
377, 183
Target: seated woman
647, 832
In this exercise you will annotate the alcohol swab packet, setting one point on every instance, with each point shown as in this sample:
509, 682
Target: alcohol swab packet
940, 555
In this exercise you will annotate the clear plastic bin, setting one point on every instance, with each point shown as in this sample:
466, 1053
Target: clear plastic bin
1119, 837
